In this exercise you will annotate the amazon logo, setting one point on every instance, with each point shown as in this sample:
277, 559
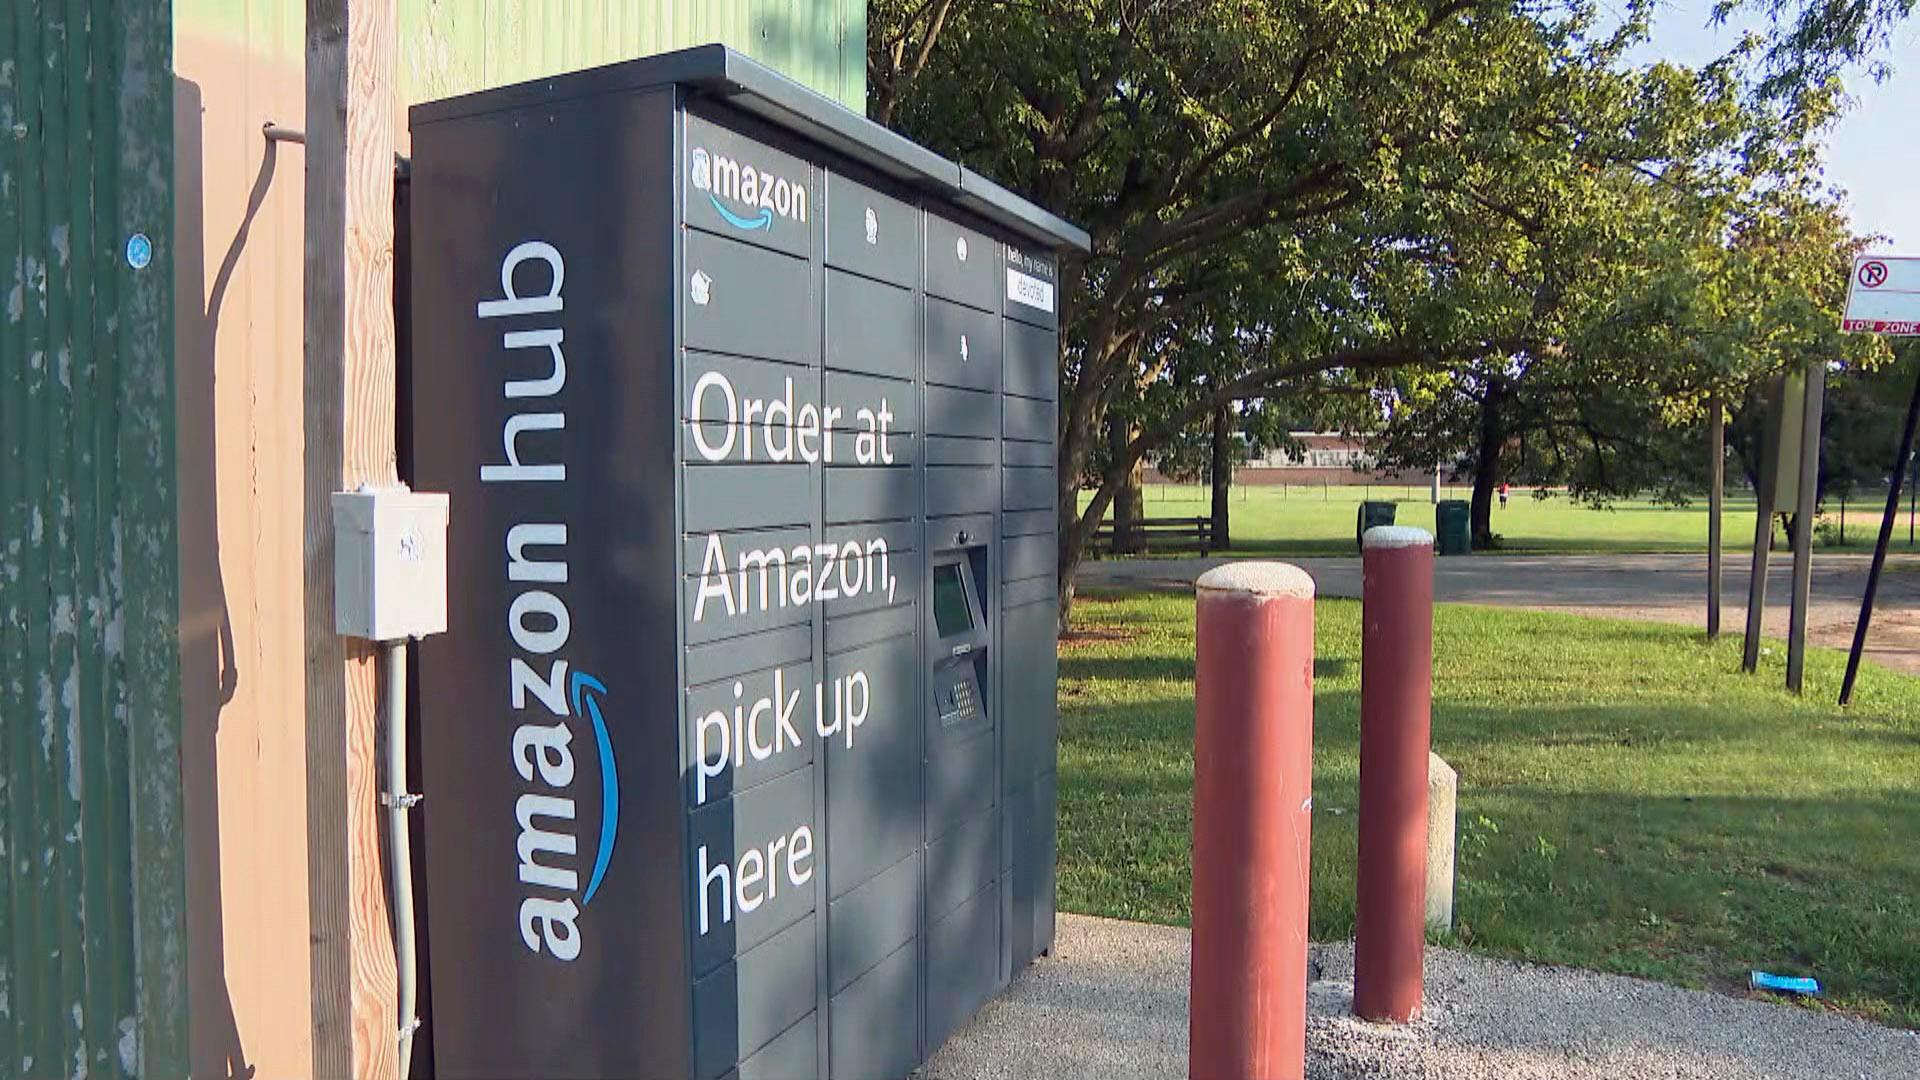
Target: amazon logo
745, 196
552, 704
587, 707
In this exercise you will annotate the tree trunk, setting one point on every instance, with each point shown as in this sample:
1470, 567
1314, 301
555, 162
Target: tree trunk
1221, 474
1130, 504
1483, 490
1486, 469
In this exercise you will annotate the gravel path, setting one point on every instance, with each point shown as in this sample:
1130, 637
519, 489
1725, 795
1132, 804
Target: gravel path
1660, 588
1111, 1004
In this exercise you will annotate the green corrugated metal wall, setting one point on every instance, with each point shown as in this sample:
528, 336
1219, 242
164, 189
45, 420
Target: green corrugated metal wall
92, 957
455, 46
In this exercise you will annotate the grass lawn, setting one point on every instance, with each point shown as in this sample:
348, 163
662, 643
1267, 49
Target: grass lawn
1628, 800
1271, 520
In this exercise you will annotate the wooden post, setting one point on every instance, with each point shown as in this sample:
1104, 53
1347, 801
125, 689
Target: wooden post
348, 393
1716, 503
1762, 546
1809, 464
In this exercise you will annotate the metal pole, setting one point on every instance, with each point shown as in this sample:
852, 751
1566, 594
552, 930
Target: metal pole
1880, 547
1762, 547
1803, 525
1716, 503
1252, 821
1396, 728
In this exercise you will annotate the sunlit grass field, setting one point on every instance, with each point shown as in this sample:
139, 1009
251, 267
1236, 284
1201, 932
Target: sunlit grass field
1628, 800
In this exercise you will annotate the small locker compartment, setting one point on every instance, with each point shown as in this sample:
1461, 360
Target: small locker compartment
1033, 361
747, 1003
730, 287
746, 580
871, 233
873, 752
1028, 488
867, 567
871, 326
720, 497
963, 962
1029, 419
962, 264
739, 728
875, 1021
963, 346
722, 189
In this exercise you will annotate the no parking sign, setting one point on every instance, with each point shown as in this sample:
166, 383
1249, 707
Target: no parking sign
1883, 296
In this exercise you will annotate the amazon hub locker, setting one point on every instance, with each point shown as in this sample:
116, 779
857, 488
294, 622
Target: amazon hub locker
739, 753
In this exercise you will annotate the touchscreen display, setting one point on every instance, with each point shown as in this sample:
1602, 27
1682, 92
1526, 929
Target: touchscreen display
951, 612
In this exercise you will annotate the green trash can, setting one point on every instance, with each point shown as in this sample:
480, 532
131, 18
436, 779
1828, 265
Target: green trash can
1372, 514
1453, 522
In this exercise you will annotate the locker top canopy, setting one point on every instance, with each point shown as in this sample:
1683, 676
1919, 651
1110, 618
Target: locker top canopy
719, 72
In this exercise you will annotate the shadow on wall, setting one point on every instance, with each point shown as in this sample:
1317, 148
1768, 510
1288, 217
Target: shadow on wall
209, 675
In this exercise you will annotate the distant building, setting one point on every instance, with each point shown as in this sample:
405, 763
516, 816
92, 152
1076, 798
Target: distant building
1324, 457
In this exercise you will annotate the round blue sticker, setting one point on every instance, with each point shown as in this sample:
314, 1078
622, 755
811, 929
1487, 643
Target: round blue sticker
139, 251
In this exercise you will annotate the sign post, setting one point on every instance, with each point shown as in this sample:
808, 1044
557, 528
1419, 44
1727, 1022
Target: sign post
1716, 504
1770, 494
1813, 393
1883, 297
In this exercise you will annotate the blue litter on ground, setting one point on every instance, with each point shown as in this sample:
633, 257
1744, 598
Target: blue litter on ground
1783, 984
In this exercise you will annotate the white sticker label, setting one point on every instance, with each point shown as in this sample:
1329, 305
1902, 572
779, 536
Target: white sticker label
1029, 290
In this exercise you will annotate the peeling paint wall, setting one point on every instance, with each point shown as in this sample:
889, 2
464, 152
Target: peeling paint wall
92, 898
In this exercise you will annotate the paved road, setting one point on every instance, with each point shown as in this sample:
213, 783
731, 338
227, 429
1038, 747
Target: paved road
1111, 1004
1663, 588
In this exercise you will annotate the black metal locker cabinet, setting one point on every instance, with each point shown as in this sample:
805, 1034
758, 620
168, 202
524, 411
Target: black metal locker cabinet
739, 752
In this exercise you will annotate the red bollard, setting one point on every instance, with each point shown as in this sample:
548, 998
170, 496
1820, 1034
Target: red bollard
1396, 733
1252, 822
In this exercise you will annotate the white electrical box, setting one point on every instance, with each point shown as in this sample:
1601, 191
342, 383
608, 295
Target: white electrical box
389, 563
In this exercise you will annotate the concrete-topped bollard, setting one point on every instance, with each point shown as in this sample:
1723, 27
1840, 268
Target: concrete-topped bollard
1443, 789
1252, 822
1396, 727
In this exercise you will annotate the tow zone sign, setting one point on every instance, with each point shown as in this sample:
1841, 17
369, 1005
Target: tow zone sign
1883, 296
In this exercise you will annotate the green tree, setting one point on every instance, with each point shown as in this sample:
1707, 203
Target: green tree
1315, 200
1700, 260
1811, 44
1242, 157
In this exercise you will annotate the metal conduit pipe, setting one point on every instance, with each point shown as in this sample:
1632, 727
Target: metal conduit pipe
398, 801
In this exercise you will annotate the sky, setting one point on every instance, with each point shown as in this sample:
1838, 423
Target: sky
1872, 154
